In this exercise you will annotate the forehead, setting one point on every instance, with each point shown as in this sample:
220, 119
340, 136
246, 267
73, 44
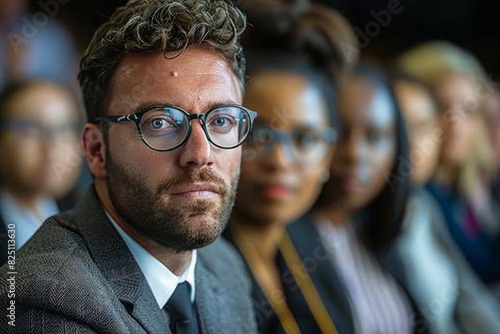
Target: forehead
415, 101
285, 100
193, 80
456, 88
365, 102
42, 102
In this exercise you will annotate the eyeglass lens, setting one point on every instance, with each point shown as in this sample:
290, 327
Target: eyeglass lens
304, 145
25, 128
166, 128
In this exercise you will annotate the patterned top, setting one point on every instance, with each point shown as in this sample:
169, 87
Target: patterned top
379, 305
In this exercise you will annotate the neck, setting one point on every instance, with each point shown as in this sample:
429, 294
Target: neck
27, 200
176, 261
264, 239
334, 215
446, 174
258, 244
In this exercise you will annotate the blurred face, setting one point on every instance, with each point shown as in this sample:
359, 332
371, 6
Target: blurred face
460, 121
422, 122
181, 198
11, 9
286, 159
367, 145
492, 115
39, 138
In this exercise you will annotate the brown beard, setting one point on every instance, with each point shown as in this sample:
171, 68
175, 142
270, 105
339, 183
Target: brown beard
180, 227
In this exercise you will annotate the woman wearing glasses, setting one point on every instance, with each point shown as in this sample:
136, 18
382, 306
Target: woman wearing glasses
286, 160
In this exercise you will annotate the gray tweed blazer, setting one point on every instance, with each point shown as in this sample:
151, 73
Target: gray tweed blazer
76, 275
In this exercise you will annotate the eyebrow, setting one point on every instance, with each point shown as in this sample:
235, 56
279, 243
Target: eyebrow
215, 104
211, 105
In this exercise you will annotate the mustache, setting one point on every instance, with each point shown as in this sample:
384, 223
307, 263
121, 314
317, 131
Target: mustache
195, 176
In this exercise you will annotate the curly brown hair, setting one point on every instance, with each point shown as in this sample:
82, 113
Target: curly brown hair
145, 26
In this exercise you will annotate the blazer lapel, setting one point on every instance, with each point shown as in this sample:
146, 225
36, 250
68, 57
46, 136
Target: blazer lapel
307, 242
117, 264
221, 307
209, 301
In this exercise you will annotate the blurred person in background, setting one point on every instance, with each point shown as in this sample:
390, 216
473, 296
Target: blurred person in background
424, 258
360, 209
41, 158
162, 83
458, 183
286, 161
34, 45
492, 121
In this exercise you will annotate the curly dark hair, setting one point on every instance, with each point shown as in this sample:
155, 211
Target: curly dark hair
299, 27
296, 36
168, 26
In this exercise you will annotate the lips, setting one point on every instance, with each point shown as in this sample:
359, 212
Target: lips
196, 191
275, 190
352, 182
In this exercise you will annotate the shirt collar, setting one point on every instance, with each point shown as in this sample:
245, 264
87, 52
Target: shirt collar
161, 280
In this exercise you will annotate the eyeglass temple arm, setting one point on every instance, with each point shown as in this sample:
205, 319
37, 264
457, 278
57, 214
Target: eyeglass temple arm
331, 135
253, 114
129, 117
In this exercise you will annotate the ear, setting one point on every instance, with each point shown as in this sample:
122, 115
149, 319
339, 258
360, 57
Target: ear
95, 150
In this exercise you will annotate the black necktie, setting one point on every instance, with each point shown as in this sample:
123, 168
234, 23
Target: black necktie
182, 312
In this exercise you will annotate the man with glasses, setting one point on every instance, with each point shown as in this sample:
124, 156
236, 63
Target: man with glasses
162, 83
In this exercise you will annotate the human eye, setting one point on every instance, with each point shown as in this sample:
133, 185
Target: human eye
26, 128
307, 138
221, 123
159, 123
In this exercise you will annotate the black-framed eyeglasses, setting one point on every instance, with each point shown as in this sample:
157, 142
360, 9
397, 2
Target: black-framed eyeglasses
304, 146
28, 128
165, 128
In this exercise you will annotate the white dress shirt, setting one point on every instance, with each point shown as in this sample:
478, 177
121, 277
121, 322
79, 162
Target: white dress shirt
161, 280
26, 222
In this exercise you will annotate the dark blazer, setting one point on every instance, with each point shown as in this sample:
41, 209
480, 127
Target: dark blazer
76, 275
309, 246
427, 262
480, 249
338, 308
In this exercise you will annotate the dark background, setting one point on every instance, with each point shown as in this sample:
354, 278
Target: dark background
472, 24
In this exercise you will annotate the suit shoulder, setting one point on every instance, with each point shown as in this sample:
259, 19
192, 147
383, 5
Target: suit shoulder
50, 247
54, 261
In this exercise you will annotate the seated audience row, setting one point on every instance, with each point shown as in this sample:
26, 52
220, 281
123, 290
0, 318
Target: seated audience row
368, 200
392, 264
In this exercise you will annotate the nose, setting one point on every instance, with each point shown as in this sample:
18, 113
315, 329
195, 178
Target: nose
197, 151
350, 150
279, 155
49, 137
